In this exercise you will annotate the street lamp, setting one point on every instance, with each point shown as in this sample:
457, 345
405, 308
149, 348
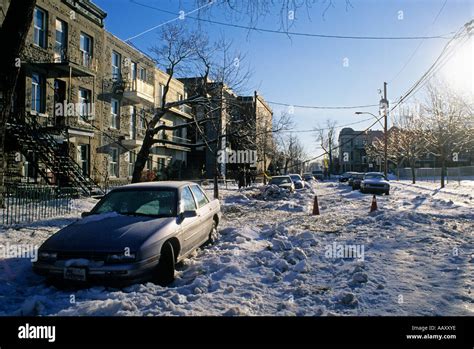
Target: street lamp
384, 111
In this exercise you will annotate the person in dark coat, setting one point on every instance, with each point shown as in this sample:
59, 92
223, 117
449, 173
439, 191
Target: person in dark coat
241, 178
248, 177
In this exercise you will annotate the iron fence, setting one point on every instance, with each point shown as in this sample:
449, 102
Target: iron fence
25, 203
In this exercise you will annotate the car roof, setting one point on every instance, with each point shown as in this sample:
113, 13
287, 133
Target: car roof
281, 176
374, 173
157, 185
293, 174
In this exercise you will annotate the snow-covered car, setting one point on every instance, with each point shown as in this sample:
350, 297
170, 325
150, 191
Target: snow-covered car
357, 180
284, 182
297, 180
308, 177
375, 182
345, 176
135, 233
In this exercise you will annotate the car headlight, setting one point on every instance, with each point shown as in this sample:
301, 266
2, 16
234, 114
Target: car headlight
48, 256
120, 258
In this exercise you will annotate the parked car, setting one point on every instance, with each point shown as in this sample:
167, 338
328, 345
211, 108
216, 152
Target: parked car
297, 180
135, 233
351, 178
308, 177
375, 182
284, 182
345, 176
318, 174
356, 180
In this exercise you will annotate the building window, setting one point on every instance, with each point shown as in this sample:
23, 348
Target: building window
60, 45
37, 93
83, 157
116, 66
114, 114
132, 157
142, 119
133, 71
86, 50
114, 162
39, 31
85, 105
143, 74
180, 97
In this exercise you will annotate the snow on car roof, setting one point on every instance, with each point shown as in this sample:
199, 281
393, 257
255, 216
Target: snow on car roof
158, 184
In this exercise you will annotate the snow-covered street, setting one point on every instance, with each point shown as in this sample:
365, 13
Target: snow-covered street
414, 256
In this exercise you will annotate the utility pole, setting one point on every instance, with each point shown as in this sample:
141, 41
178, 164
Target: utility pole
384, 109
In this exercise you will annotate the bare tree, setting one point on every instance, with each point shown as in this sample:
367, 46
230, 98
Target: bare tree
326, 138
447, 128
293, 153
13, 33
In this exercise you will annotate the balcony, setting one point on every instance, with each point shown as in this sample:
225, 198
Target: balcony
183, 110
138, 91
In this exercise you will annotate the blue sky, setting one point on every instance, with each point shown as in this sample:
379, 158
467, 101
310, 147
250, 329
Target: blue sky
311, 71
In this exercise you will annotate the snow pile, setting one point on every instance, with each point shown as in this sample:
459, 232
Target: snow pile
414, 257
274, 192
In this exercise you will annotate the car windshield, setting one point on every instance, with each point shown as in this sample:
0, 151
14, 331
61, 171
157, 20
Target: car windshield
374, 176
156, 203
295, 177
280, 180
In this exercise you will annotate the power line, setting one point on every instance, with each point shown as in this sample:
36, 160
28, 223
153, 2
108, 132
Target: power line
419, 45
433, 68
180, 16
323, 107
288, 33
327, 128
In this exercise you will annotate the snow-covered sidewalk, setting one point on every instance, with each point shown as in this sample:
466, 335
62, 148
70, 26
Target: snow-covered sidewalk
414, 256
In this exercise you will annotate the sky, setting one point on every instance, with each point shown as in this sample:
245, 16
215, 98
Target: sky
301, 70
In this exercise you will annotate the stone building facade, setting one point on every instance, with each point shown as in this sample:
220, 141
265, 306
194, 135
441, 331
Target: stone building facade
90, 95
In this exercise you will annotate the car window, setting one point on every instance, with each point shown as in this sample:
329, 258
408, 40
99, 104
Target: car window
280, 180
187, 200
199, 195
139, 202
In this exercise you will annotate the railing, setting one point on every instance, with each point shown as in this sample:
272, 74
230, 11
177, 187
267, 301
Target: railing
30, 202
141, 87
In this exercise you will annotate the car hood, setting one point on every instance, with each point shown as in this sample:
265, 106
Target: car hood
285, 185
105, 232
375, 181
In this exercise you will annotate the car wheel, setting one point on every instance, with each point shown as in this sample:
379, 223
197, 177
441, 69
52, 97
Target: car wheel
213, 234
164, 271
387, 192
362, 191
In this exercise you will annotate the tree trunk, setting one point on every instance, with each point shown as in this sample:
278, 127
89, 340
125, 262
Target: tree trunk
142, 157
13, 35
413, 172
443, 171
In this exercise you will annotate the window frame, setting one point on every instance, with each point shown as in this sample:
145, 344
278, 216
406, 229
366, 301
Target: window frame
38, 86
114, 166
88, 104
116, 66
42, 41
114, 117
86, 62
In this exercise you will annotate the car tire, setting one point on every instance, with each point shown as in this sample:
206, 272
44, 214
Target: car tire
163, 274
387, 193
362, 191
213, 234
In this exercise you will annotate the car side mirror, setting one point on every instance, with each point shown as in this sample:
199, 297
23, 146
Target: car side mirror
85, 214
189, 214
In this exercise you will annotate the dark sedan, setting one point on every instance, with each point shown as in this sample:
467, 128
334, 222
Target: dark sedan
135, 233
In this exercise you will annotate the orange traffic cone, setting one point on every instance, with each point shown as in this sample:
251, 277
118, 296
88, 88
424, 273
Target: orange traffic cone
373, 207
315, 206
